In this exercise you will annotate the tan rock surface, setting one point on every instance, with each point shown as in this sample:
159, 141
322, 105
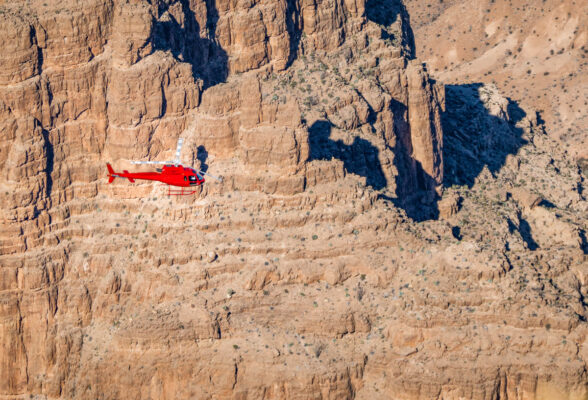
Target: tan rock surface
299, 276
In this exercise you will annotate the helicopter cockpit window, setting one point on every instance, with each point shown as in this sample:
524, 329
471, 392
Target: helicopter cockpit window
198, 175
192, 178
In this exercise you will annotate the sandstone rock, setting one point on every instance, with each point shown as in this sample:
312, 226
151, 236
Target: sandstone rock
549, 229
20, 56
525, 198
426, 133
211, 256
583, 164
261, 278
112, 283
405, 351
131, 40
449, 205
335, 274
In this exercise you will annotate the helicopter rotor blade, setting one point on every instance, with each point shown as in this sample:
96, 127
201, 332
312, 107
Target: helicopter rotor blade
212, 176
178, 150
152, 162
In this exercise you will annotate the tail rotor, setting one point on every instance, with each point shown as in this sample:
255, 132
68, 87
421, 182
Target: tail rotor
111, 174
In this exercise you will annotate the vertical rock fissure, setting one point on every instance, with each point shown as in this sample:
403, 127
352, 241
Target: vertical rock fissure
211, 19
21, 339
35, 43
236, 375
50, 155
294, 27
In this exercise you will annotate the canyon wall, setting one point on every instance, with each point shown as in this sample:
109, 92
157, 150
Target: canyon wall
104, 81
298, 275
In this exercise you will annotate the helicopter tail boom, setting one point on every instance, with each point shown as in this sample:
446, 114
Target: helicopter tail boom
128, 177
112, 175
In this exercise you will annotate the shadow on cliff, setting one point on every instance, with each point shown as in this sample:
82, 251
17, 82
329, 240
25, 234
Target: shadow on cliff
50, 154
524, 230
386, 13
294, 29
415, 192
360, 157
202, 156
208, 60
583, 241
473, 138
415, 188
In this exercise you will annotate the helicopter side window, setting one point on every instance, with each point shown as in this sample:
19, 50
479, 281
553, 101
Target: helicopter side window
192, 178
185, 179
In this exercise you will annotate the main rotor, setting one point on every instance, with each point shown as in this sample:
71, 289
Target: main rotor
176, 161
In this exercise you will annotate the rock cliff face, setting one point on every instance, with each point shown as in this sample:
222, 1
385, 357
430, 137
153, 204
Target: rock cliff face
108, 81
297, 276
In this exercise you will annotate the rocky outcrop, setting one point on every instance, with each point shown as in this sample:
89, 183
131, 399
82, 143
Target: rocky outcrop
425, 127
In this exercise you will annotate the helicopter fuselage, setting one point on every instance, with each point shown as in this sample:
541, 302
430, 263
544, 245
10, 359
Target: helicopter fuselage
174, 175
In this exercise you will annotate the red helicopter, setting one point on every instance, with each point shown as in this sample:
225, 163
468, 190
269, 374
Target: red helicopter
172, 174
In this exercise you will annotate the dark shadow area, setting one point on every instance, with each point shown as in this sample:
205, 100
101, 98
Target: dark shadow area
414, 187
546, 204
580, 185
511, 226
473, 138
208, 60
525, 231
456, 232
294, 29
382, 12
540, 120
33, 37
385, 13
49, 153
202, 156
583, 241
360, 158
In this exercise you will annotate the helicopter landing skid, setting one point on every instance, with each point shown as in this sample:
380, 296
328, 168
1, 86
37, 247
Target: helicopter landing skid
179, 192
